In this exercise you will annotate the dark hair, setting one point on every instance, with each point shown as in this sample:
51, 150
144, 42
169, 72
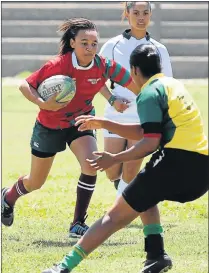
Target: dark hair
129, 5
147, 59
70, 29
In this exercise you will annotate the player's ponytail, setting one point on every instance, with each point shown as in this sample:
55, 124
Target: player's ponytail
129, 5
70, 29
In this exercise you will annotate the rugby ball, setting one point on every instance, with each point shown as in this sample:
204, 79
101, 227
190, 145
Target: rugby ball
61, 84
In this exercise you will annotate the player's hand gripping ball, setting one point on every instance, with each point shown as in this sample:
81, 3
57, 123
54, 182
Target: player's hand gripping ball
63, 85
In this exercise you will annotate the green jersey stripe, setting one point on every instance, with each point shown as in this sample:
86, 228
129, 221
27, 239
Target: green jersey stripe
116, 72
125, 78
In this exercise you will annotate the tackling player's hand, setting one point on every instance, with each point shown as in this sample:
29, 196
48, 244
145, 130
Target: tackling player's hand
121, 104
104, 161
51, 104
88, 122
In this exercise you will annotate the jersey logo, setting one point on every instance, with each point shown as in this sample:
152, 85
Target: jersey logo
36, 144
94, 81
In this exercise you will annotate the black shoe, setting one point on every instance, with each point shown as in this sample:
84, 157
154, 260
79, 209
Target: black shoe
56, 269
7, 215
116, 183
160, 265
78, 229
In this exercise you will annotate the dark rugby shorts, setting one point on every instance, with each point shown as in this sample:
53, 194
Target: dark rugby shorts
47, 142
171, 174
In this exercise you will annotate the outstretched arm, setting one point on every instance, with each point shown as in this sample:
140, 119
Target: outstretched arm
146, 145
143, 148
128, 131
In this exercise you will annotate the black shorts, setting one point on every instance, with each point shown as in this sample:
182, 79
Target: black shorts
171, 174
51, 141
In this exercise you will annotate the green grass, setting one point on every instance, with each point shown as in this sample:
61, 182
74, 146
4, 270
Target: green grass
23, 74
38, 237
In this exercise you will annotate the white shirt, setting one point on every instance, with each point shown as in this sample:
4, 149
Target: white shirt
120, 48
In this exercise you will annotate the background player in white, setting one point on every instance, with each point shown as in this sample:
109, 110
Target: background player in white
119, 48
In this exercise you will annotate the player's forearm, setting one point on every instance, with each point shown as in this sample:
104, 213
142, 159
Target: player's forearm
30, 93
105, 92
128, 131
140, 150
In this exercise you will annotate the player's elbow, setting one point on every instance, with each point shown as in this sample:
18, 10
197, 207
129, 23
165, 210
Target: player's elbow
22, 85
138, 133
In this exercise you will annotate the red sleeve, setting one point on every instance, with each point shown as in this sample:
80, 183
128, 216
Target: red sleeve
59, 66
116, 72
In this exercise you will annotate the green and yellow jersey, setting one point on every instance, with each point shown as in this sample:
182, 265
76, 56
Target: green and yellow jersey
167, 110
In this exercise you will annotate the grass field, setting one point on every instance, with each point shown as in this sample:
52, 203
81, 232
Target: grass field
38, 237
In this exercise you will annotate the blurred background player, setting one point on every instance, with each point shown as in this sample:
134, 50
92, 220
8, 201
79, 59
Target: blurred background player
119, 48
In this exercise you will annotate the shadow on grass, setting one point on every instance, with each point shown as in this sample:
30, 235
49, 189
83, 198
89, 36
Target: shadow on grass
72, 243
54, 243
107, 243
12, 238
140, 226
120, 243
169, 226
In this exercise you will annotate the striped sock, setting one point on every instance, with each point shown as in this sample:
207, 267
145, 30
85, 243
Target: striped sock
73, 258
121, 187
85, 189
16, 191
152, 229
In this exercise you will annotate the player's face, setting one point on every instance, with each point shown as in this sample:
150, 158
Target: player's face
85, 46
139, 15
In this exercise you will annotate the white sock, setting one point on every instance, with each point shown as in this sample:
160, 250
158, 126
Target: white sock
121, 187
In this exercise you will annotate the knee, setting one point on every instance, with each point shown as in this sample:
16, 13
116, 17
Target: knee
130, 172
113, 175
115, 219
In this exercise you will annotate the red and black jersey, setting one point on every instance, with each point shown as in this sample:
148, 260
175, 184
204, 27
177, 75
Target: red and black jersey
89, 81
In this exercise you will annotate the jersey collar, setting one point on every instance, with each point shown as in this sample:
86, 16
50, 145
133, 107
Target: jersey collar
156, 76
77, 66
127, 34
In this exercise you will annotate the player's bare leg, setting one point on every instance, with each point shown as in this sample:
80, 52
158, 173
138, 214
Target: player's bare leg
40, 168
130, 170
120, 215
114, 145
